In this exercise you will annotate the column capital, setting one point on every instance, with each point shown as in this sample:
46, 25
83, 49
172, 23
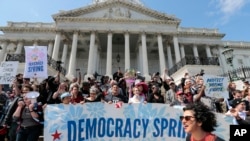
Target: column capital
36, 41
5, 41
76, 31
21, 41
65, 41
125, 32
159, 33
59, 31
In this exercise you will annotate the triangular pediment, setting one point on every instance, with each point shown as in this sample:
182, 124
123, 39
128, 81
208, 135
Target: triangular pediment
116, 9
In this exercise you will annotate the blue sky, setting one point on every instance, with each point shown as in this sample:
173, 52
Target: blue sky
231, 17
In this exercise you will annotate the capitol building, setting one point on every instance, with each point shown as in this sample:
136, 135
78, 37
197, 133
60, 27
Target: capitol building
111, 34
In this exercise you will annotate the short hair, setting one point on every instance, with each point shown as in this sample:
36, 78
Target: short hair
203, 114
93, 90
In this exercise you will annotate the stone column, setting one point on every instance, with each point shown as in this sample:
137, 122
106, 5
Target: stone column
208, 51
95, 58
161, 54
35, 43
72, 61
127, 52
182, 51
64, 55
19, 47
56, 46
196, 55
140, 65
145, 57
91, 56
170, 60
176, 50
195, 51
3, 51
50, 48
109, 56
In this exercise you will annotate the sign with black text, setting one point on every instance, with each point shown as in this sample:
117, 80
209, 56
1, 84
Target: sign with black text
8, 70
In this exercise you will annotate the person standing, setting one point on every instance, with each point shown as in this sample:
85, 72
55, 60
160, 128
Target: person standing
199, 122
29, 129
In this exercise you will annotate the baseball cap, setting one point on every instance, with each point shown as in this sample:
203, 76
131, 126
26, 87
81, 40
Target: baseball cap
63, 95
237, 101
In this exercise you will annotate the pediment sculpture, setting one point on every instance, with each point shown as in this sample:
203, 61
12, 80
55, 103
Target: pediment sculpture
117, 13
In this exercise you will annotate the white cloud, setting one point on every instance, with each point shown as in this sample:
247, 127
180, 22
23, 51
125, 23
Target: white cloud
229, 8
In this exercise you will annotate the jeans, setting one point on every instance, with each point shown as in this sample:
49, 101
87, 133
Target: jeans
29, 133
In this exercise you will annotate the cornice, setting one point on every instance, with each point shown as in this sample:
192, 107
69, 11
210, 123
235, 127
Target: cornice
118, 20
201, 34
27, 29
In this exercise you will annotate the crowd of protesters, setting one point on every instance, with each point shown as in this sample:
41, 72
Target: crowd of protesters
20, 119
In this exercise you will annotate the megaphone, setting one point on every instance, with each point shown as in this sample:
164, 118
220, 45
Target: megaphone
32, 95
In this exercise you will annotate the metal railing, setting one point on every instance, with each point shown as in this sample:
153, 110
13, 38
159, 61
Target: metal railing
241, 73
190, 60
51, 62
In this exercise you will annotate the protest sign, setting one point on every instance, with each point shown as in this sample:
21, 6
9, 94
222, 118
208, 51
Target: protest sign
216, 86
8, 70
35, 62
101, 121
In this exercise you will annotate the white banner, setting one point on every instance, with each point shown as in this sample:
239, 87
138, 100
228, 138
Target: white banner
106, 122
216, 86
8, 71
35, 62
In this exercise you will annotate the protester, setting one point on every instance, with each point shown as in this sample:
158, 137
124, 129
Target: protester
137, 98
93, 96
76, 95
114, 96
155, 96
170, 95
199, 122
61, 89
239, 107
29, 129
180, 99
65, 98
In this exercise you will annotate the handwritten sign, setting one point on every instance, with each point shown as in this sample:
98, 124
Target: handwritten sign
8, 71
100, 121
35, 62
216, 86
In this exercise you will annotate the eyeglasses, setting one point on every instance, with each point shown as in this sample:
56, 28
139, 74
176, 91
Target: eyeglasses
187, 118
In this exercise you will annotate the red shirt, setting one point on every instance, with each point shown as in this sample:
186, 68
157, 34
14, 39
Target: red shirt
78, 99
207, 137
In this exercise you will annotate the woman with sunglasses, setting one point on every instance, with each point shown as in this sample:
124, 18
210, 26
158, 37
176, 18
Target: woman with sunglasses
199, 122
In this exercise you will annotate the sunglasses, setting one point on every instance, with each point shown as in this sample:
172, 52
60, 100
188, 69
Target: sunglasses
187, 118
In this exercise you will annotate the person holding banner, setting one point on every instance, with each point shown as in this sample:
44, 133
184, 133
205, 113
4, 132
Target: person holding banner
114, 96
93, 96
137, 98
65, 98
199, 122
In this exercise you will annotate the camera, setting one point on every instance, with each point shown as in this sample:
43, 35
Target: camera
202, 72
